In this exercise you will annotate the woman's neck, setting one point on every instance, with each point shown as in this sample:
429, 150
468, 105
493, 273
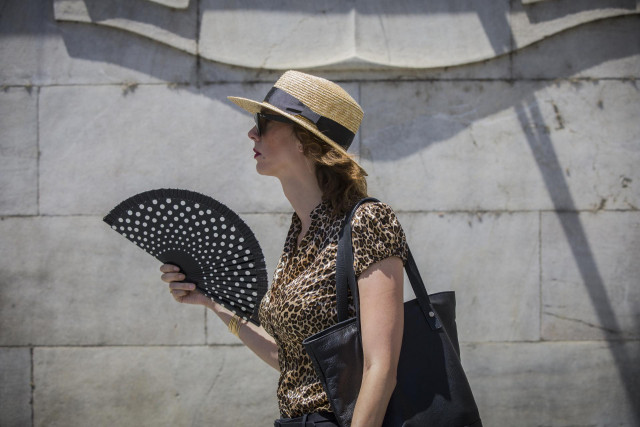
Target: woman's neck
304, 194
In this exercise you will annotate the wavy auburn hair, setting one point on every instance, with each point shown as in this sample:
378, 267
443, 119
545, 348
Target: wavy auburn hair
342, 181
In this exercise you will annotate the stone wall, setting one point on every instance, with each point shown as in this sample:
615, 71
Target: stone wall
510, 149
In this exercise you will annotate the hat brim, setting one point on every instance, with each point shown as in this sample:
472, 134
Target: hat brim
253, 107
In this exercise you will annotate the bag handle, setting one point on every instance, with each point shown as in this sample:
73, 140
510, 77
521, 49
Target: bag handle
346, 276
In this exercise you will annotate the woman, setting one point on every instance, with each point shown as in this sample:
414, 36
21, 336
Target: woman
303, 129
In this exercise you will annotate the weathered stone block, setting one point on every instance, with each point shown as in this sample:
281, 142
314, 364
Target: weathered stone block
312, 34
603, 49
24, 25
38, 50
491, 261
585, 139
96, 151
124, 58
590, 276
417, 34
425, 152
15, 387
134, 386
555, 384
497, 146
18, 151
74, 281
177, 28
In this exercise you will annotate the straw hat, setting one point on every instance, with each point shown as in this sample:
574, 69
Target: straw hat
318, 105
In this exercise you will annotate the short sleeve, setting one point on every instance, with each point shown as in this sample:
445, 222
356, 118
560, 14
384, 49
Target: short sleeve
376, 235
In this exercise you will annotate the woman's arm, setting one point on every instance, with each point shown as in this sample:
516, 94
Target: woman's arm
254, 337
382, 320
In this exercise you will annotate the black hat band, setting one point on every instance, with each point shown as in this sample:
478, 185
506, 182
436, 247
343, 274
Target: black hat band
332, 129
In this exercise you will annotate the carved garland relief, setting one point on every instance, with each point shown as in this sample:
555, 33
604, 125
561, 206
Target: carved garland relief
337, 34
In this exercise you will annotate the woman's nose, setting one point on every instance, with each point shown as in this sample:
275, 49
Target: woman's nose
253, 134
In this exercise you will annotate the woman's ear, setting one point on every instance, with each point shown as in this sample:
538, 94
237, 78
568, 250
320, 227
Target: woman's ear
300, 148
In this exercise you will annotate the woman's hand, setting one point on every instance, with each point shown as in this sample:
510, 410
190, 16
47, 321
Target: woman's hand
255, 337
181, 291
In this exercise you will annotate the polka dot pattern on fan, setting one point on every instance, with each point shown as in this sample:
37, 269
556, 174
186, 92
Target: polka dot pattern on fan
210, 243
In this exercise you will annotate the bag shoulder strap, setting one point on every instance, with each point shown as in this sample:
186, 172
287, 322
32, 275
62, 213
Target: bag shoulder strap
346, 276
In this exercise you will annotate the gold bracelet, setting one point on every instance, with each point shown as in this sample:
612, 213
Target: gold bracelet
234, 325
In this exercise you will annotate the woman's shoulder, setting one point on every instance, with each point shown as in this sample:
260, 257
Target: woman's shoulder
376, 235
375, 218
379, 211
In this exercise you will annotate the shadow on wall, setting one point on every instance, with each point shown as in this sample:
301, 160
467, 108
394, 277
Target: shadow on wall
550, 10
539, 141
522, 101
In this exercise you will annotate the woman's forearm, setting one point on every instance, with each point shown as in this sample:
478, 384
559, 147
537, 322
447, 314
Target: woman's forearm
253, 336
377, 386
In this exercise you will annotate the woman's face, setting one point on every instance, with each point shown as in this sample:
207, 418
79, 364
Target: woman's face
277, 150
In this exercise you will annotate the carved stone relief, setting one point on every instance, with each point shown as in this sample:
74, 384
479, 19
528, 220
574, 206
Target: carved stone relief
338, 34
176, 4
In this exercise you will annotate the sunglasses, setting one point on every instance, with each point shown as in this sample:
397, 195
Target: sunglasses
261, 120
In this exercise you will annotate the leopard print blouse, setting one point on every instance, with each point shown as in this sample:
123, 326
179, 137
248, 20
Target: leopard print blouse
302, 298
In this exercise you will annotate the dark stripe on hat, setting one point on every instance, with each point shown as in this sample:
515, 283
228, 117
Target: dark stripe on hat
287, 102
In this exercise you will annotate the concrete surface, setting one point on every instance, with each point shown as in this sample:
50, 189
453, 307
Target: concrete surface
15, 387
589, 256
73, 281
19, 148
493, 304
134, 386
36, 50
500, 146
554, 384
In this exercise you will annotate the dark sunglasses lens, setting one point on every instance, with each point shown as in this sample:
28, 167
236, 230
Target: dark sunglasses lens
259, 125
261, 120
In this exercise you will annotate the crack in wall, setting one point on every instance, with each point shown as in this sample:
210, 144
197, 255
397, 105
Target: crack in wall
583, 322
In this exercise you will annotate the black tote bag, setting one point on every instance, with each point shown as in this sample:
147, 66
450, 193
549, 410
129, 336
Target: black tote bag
432, 388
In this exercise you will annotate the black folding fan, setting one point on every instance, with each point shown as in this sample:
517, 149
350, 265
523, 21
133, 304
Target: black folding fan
213, 247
